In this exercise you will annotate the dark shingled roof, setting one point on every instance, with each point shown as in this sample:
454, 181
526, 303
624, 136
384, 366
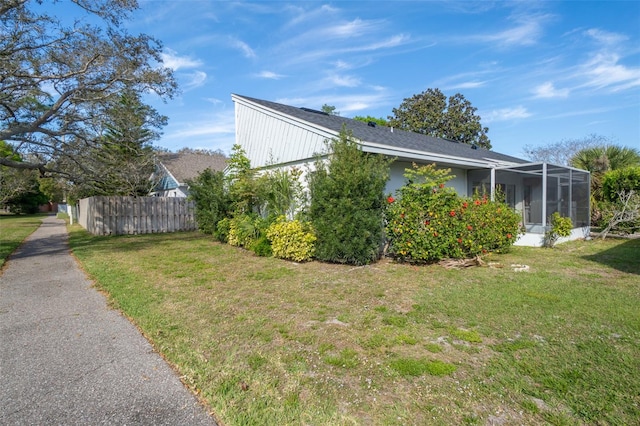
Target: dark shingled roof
186, 165
384, 136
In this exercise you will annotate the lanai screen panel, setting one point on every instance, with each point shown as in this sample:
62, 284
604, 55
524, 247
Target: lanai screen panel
580, 198
545, 189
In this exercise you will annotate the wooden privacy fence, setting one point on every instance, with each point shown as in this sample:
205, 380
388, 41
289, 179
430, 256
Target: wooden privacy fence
136, 215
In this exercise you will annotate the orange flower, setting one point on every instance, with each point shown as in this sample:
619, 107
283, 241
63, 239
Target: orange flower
452, 213
390, 199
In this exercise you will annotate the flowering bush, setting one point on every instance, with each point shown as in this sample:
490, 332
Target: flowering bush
292, 240
431, 222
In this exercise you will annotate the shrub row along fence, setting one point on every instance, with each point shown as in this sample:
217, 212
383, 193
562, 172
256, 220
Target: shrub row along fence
136, 215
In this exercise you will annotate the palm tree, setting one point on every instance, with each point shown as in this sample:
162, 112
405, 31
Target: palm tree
598, 160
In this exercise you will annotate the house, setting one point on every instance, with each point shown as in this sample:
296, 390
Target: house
175, 169
277, 135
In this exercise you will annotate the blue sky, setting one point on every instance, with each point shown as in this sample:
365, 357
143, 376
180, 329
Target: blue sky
537, 72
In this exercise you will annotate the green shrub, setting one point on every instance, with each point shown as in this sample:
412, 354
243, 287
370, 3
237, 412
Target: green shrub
347, 203
212, 203
431, 222
616, 181
222, 229
291, 240
262, 246
242, 231
560, 227
281, 193
240, 182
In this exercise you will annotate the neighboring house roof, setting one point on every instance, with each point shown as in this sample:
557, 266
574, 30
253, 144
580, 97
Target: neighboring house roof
186, 165
387, 140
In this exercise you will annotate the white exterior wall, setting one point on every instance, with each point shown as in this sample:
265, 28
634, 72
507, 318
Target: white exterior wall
269, 138
537, 240
397, 180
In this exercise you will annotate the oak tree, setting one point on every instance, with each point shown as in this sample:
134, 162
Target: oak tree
55, 79
433, 114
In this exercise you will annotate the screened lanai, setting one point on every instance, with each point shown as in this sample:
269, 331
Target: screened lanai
537, 190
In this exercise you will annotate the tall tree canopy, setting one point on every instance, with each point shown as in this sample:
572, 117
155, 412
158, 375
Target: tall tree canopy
329, 109
122, 159
369, 119
55, 80
432, 114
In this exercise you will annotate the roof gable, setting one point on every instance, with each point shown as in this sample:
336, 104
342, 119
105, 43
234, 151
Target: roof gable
379, 138
187, 165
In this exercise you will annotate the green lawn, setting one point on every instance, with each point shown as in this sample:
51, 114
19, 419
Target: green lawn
13, 230
264, 341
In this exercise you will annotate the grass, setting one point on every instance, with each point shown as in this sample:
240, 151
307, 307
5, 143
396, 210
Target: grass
13, 230
264, 341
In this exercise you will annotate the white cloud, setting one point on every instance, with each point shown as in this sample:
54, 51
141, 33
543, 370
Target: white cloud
195, 79
242, 47
526, 32
467, 85
505, 114
355, 106
605, 37
304, 16
171, 59
342, 65
352, 103
605, 71
354, 28
547, 90
392, 41
269, 75
343, 80
211, 131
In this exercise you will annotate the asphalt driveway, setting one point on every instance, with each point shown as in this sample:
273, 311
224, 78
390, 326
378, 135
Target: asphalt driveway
68, 359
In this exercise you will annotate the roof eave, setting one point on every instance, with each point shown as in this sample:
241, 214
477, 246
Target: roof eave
428, 156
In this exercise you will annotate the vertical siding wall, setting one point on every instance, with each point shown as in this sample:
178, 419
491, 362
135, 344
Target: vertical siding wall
268, 138
136, 215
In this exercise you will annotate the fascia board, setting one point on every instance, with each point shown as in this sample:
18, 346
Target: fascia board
423, 155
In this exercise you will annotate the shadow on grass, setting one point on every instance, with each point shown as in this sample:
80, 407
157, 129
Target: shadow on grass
624, 257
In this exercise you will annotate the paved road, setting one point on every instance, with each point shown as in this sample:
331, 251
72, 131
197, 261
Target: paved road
67, 359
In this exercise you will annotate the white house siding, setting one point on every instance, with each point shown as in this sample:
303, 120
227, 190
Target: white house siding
397, 180
271, 138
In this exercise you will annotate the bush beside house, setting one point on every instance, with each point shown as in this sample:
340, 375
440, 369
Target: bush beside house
347, 203
348, 214
430, 221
